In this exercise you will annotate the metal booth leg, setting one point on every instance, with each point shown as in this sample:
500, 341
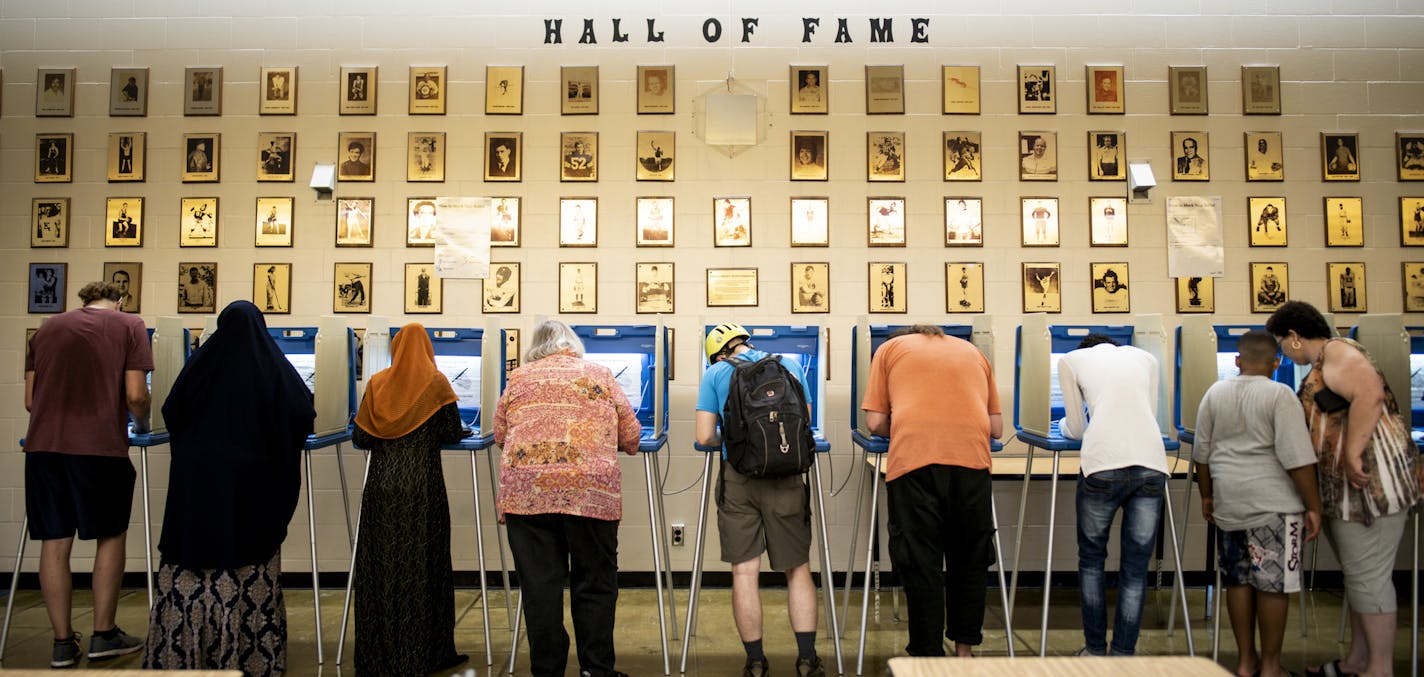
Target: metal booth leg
15, 583
499, 536
999, 558
662, 528
657, 559
147, 528
351, 568
854, 530
1180, 581
1414, 589
514, 632
1018, 531
695, 585
480, 556
316, 574
1048, 560
869, 552
345, 498
1186, 517
828, 587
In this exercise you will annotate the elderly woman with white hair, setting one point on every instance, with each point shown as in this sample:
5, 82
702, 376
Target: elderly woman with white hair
561, 422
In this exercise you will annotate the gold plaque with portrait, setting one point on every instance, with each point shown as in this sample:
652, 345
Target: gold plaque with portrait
578, 287
272, 288
499, 293
1038, 91
1344, 222
1270, 286
887, 287
1265, 156
1266, 217
653, 285
1196, 294
1186, 88
1105, 90
809, 90
1042, 288
504, 90
1261, 90
279, 91
959, 87
963, 287
884, 90
127, 156
810, 160
1345, 284
357, 91
428, 86
1110, 288
655, 90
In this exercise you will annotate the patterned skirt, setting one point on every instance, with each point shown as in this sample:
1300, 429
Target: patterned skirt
219, 619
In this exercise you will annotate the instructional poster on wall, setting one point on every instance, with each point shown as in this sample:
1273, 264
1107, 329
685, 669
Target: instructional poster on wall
1194, 239
462, 242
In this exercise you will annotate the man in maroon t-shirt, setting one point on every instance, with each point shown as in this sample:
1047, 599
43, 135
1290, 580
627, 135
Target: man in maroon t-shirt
84, 374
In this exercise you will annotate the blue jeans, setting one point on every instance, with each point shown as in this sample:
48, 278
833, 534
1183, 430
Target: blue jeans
1138, 491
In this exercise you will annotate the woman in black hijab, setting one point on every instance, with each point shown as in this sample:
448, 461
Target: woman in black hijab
237, 415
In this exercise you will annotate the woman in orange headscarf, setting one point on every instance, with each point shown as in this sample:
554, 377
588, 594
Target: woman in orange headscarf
405, 594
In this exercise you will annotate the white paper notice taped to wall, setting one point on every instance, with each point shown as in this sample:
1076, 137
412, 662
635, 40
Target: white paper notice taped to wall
1194, 239
462, 242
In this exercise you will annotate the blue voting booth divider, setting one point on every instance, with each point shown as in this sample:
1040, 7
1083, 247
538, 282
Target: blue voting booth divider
870, 443
803, 345
300, 345
1038, 346
171, 348
459, 355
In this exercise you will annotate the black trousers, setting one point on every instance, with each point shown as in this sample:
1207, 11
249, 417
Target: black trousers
544, 548
941, 542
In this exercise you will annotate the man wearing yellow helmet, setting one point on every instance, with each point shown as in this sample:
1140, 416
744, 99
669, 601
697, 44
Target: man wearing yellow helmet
756, 515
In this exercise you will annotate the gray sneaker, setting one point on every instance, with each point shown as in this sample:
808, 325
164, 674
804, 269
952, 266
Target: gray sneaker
66, 652
122, 643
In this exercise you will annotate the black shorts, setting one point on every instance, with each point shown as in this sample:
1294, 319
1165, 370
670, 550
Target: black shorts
65, 493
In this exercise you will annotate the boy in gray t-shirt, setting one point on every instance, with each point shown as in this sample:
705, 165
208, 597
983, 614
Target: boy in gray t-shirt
1256, 470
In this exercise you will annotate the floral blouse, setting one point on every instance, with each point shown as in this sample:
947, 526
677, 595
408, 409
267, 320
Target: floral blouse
561, 422
1390, 458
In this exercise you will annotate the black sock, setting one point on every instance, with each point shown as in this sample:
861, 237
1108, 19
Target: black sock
806, 644
71, 638
107, 634
754, 650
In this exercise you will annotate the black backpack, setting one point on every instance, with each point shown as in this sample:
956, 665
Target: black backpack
765, 422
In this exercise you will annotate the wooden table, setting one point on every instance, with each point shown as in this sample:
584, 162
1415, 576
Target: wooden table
1057, 666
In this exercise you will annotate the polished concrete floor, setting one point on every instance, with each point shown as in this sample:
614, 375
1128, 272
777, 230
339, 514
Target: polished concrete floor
715, 649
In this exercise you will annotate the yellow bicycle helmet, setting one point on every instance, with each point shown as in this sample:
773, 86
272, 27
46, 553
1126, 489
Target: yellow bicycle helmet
720, 336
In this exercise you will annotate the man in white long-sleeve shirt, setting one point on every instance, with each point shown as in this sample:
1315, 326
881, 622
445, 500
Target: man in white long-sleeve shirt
1124, 466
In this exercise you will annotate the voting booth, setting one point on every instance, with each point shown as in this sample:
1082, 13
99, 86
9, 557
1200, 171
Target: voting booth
866, 339
1038, 407
804, 346
477, 382
325, 359
171, 348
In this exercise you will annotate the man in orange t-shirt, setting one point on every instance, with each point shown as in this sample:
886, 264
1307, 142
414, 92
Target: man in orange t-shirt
935, 397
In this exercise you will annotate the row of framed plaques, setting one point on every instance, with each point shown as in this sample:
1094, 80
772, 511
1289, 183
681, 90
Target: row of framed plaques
655, 156
654, 290
1037, 90
1267, 223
